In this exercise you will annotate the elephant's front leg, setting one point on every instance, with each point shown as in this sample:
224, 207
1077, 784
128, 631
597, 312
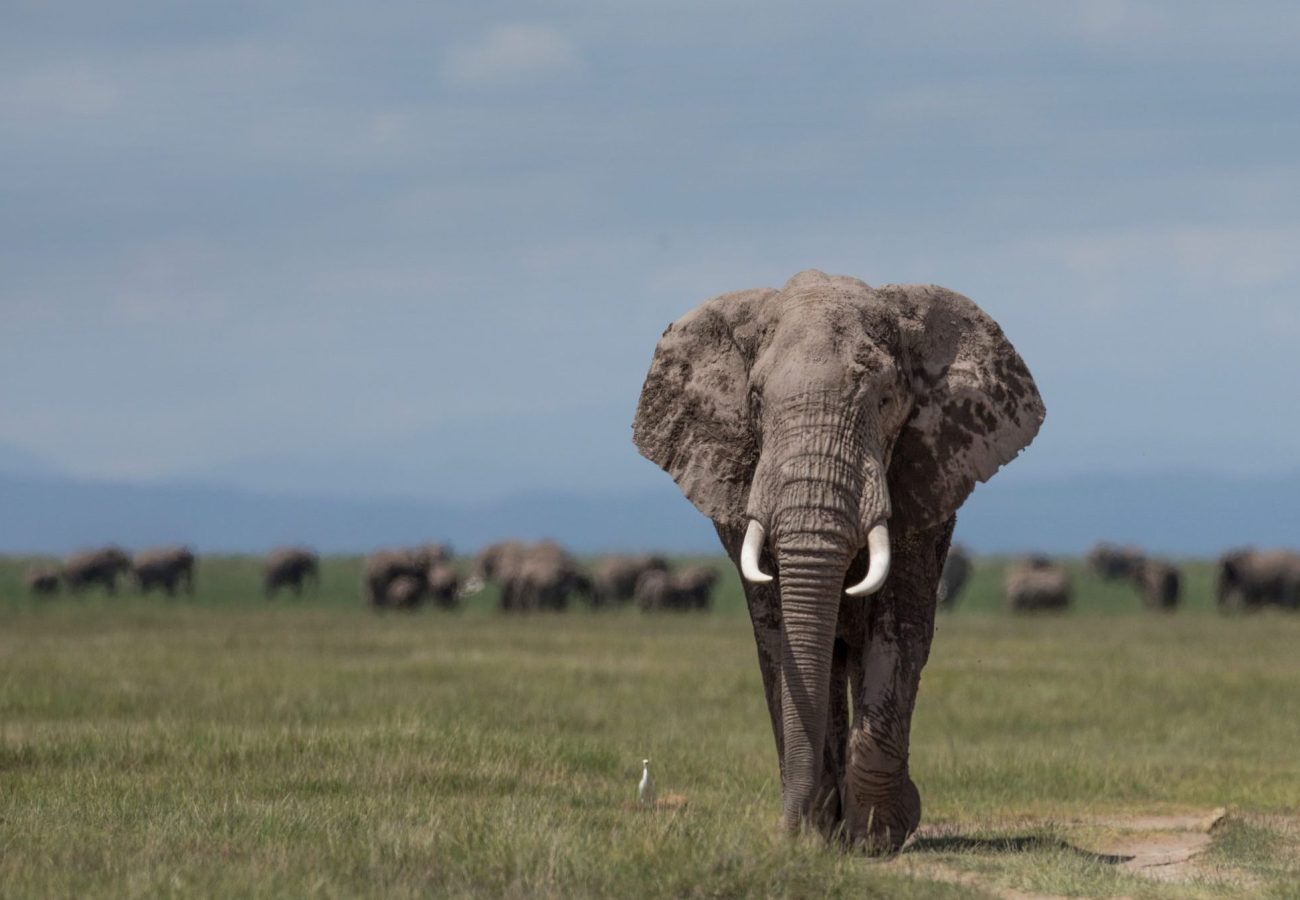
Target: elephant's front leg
882, 804
764, 602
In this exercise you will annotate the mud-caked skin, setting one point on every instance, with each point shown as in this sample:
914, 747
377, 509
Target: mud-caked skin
814, 416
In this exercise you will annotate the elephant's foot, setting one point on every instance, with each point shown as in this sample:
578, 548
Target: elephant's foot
883, 817
882, 804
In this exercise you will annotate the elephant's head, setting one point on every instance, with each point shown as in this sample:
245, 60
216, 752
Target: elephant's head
818, 418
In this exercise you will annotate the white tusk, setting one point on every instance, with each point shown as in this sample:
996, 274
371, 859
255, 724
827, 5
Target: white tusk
750, 552
877, 565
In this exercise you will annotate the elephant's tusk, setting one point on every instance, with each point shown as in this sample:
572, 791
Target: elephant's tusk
750, 552
877, 565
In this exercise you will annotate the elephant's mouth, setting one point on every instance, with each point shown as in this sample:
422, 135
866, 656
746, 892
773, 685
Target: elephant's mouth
878, 554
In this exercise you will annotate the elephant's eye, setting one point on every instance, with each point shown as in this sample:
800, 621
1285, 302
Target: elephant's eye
755, 404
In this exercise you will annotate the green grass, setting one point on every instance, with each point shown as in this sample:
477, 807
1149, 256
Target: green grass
228, 746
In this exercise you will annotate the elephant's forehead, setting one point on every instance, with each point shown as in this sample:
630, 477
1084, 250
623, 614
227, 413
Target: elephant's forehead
815, 329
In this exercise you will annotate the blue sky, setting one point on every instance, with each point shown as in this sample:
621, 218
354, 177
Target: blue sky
427, 249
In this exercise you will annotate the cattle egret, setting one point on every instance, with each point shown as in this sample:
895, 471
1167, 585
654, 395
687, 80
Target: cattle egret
645, 791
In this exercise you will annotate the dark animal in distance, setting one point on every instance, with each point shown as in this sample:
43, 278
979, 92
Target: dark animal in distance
165, 568
532, 576
404, 592
427, 567
444, 585
1159, 583
384, 567
101, 567
690, 588
42, 582
614, 578
1250, 579
1036, 584
290, 568
1113, 562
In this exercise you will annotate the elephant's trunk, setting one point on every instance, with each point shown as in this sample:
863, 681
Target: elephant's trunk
812, 579
825, 510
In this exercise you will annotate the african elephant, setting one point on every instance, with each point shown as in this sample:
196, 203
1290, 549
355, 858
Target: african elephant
541, 575
91, 567
42, 582
831, 430
614, 578
654, 590
164, 567
435, 553
404, 592
495, 559
956, 570
691, 588
1249, 579
1113, 561
384, 567
444, 585
292, 568
1159, 583
544, 577
1036, 584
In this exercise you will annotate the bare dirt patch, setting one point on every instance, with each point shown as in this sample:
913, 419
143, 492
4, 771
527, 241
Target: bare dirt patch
1161, 848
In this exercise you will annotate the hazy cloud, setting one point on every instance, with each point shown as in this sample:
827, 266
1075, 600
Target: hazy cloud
72, 90
511, 54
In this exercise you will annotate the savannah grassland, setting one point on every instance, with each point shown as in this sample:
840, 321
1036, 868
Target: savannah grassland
229, 746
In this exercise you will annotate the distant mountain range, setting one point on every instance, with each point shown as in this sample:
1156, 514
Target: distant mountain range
1173, 514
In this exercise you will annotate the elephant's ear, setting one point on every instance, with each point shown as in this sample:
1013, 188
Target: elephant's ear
693, 418
976, 405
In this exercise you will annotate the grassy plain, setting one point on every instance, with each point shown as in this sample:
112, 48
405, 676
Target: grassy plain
226, 745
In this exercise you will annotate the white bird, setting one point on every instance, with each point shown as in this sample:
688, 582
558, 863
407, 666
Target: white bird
645, 791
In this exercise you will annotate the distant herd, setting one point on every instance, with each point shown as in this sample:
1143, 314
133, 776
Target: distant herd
543, 575
539, 575
1246, 579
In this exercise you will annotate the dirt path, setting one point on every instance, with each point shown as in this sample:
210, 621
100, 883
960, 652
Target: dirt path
1161, 848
